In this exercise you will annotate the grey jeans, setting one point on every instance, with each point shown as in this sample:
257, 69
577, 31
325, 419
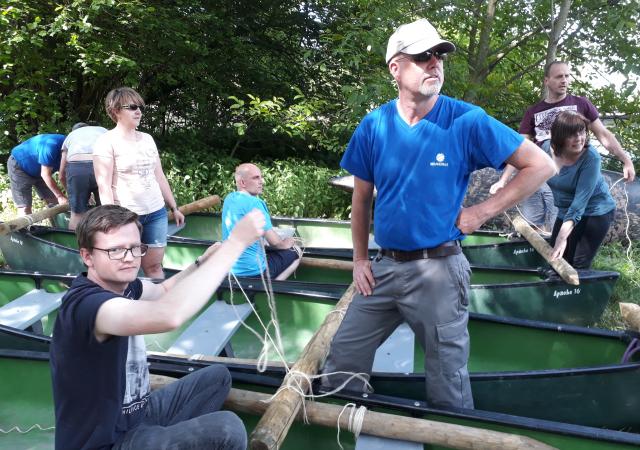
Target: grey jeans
21, 183
431, 295
539, 208
186, 416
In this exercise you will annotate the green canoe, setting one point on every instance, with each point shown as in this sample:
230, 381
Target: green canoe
533, 369
27, 400
521, 293
333, 237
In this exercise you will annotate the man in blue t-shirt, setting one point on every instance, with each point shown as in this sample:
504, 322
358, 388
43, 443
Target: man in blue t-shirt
98, 358
282, 255
32, 164
418, 152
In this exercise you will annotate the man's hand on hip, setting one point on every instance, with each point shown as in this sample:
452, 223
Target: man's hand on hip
363, 277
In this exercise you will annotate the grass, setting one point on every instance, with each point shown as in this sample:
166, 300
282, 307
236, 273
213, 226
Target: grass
623, 259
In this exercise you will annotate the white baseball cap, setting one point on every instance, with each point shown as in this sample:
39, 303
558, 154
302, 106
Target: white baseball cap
416, 37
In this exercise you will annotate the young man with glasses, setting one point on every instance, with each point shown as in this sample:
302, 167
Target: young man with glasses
418, 152
98, 356
536, 126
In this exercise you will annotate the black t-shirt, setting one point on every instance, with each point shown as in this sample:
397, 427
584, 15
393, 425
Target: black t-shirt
100, 390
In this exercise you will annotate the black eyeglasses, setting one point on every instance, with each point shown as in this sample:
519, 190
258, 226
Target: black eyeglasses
426, 56
121, 253
133, 107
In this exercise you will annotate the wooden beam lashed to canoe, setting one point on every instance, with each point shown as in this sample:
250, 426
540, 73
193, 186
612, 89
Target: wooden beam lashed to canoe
28, 220
382, 424
564, 269
326, 263
198, 205
274, 425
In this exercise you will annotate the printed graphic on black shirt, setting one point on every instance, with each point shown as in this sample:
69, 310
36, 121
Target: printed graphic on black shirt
136, 394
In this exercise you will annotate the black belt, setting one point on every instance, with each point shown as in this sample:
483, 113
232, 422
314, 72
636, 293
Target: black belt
448, 248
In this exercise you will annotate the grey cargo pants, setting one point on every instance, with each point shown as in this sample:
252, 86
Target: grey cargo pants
431, 295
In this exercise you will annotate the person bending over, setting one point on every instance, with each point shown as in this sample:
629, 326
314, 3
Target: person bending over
585, 205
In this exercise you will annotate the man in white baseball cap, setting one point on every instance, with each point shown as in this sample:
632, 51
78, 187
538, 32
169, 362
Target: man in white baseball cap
415, 38
418, 151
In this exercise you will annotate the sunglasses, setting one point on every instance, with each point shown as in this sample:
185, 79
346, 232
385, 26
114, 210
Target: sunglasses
426, 56
133, 107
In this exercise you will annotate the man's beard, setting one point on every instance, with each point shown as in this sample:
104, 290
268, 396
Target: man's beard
431, 89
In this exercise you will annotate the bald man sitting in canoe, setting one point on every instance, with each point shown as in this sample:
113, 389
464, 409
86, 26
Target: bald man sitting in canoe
282, 255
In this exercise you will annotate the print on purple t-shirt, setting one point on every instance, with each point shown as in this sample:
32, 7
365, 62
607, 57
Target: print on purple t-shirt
539, 117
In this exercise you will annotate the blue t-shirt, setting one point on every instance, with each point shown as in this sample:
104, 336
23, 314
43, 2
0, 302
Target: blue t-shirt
100, 390
40, 150
236, 205
580, 190
421, 172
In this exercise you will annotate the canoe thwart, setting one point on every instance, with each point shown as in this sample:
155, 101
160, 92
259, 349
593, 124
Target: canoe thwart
212, 330
26, 310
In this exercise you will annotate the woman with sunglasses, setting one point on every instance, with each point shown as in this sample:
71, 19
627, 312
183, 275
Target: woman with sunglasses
129, 173
585, 206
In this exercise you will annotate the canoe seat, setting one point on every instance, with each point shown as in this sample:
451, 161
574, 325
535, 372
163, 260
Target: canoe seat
26, 310
210, 333
394, 355
172, 228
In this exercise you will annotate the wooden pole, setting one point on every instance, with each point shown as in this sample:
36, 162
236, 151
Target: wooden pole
198, 205
561, 266
631, 315
276, 421
26, 221
381, 424
326, 263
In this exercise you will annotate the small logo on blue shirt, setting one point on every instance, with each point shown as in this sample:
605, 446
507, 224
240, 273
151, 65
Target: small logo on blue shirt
439, 162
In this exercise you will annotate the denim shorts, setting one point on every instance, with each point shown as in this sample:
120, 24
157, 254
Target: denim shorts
154, 228
81, 183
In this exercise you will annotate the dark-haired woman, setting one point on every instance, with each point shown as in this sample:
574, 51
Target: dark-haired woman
585, 206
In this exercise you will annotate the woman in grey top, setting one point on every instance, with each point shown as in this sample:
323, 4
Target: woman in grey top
585, 206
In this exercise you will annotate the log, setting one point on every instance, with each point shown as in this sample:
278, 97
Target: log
382, 424
198, 205
26, 221
272, 429
631, 315
325, 263
564, 269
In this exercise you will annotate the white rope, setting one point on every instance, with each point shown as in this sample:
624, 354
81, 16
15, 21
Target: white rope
31, 428
295, 381
356, 420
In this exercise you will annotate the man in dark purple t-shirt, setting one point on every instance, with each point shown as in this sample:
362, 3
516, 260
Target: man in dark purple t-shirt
536, 126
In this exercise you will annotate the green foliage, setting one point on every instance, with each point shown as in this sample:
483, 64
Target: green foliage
626, 260
299, 188
293, 187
